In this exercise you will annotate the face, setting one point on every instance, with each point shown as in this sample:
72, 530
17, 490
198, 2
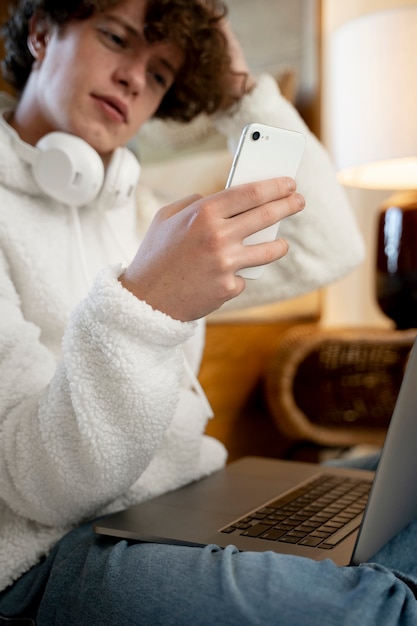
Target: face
97, 78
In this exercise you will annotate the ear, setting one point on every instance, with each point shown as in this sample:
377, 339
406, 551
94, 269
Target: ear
38, 37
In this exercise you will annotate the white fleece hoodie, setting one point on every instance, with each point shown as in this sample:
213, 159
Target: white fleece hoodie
96, 409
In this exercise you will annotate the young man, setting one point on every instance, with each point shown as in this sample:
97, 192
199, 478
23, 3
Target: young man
99, 403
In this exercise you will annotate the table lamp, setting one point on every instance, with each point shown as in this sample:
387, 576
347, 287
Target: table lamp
373, 109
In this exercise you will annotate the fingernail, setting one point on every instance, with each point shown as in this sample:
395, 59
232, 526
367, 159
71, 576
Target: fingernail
300, 200
291, 184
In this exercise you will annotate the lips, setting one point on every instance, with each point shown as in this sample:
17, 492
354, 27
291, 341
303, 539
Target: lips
114, 107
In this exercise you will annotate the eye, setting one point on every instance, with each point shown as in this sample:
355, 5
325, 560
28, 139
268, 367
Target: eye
113, 38
160, 79
161, 75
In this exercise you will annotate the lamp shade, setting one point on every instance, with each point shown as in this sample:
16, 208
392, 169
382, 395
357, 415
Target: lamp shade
373, 100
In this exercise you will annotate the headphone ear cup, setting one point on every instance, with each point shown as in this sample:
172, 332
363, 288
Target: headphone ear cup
121, 179
68, 168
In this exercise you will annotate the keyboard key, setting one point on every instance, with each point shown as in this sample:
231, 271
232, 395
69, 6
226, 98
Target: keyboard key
255, 530
289, 539
342, 533
272, 534
229, 529
313, 542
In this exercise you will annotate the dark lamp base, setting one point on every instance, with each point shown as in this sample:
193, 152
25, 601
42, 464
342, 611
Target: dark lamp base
396, 271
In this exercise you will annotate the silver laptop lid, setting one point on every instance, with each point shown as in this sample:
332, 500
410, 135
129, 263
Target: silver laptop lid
392, 502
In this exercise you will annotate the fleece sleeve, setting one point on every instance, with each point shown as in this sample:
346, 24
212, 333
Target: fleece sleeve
90, 424
325, 243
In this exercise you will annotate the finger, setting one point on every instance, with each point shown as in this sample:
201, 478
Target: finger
241, 198
259, 218
262, 253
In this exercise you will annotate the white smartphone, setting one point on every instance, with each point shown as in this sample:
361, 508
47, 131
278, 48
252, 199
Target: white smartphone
264, 152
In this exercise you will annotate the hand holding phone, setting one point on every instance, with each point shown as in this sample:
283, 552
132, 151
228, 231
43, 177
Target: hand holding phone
264, 152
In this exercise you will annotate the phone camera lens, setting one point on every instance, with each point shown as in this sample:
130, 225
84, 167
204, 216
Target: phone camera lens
256, 135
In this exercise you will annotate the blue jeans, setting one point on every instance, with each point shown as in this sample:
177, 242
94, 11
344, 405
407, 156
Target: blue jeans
96, 581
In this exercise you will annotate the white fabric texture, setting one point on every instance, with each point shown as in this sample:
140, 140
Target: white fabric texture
96, 409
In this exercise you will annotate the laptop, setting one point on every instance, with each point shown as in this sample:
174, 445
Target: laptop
289, 507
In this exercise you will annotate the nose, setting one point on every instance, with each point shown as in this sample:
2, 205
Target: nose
132, 75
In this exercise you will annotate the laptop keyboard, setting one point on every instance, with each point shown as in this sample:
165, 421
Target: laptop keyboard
318, 514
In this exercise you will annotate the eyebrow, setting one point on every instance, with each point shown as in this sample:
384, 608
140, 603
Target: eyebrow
137, 34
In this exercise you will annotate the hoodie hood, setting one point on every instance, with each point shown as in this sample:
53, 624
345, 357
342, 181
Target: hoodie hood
13, 170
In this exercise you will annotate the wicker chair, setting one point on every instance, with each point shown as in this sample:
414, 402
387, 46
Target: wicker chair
336, 388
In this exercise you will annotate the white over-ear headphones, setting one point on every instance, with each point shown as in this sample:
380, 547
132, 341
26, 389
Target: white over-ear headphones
69, 170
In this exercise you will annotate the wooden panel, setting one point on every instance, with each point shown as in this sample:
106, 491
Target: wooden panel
3, 15
234, 362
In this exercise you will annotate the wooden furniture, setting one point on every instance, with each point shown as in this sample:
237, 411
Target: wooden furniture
336, 387
237, 353
3, 16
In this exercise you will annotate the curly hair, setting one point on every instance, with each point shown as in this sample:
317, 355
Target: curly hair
192, 25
